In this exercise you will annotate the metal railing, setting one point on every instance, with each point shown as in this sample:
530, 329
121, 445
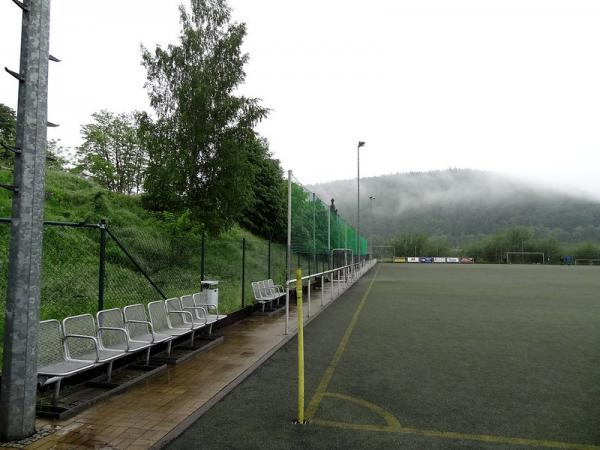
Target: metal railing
344, 277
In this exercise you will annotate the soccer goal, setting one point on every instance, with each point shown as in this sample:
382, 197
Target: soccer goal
587, 262
383, 253
525, 258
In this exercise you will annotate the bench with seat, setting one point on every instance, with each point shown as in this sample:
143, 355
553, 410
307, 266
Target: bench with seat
210, 303
54, 363
199, 313
264, 295
160, 320
259, 297
84, 341
112, 319
270, 288
141, 330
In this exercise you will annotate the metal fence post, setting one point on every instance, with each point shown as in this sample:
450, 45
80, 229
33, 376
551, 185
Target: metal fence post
202, 253
269, 262
243, 272
102, 269
19, 373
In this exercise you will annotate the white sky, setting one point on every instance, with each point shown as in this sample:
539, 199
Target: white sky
511, 86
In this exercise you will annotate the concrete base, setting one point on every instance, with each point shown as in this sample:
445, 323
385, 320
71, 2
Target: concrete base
79, 397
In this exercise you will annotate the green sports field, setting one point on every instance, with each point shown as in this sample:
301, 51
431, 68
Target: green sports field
432, 357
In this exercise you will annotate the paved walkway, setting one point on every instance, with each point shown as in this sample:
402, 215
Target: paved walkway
143, 415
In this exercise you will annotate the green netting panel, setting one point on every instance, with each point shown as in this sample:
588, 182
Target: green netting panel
316, 230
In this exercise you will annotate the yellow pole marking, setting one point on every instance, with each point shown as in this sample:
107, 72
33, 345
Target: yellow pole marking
324, 384
300, 346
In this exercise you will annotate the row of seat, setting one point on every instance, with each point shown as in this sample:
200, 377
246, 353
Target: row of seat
83, 342
266, 292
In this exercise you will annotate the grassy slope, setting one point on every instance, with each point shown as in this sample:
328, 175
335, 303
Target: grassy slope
168, 249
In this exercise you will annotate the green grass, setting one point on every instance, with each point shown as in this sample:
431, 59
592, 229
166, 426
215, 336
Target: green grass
167, 247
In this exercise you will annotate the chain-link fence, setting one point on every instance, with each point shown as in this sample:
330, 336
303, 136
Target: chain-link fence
88, 267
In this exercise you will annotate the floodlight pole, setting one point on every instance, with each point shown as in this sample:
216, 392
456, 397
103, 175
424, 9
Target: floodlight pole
19, 374
360, 144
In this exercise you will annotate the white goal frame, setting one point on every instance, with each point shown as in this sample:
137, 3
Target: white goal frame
587, 262
384, 247
523, 254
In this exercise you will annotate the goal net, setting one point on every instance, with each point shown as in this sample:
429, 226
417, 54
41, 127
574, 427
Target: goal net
525, 257
587, 262
383, 253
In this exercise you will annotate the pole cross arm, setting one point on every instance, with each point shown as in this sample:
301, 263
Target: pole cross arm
10, 148
21, 5
17, 75
9, 187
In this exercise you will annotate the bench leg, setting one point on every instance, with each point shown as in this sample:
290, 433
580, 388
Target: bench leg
148, 356
169, 347
109, 371
56, 392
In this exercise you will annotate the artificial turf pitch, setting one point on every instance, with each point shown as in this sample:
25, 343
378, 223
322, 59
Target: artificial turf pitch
432, 357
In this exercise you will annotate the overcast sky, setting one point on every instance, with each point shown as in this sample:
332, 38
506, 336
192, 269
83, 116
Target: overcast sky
511, 86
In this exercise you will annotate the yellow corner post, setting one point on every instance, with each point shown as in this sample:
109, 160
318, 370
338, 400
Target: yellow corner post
300, 346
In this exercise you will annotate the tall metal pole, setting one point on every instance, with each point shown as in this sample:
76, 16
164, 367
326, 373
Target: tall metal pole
19, 373
360, 144
358, 200
329, 231
269, 261
202, 256
289, 254
314, 231
102, 268
243, 273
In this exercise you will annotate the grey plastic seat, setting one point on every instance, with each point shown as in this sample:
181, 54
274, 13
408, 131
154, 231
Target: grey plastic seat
161, 323
53, 363
112, 319
82, 341
259, 297
201, 299
141, 330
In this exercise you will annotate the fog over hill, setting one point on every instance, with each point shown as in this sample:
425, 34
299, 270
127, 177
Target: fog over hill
462, 204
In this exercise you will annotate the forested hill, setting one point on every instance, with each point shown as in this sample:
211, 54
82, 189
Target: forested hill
462, 204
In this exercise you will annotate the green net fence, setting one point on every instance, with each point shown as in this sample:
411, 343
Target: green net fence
317, 229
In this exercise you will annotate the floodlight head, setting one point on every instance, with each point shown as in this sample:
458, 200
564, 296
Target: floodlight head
361, 144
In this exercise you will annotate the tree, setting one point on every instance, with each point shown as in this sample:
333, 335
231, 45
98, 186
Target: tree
265, 214
410, 244
201, 141
112, 153
57, 156
8, 125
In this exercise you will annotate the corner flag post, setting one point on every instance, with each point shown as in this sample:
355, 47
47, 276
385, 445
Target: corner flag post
300, 346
